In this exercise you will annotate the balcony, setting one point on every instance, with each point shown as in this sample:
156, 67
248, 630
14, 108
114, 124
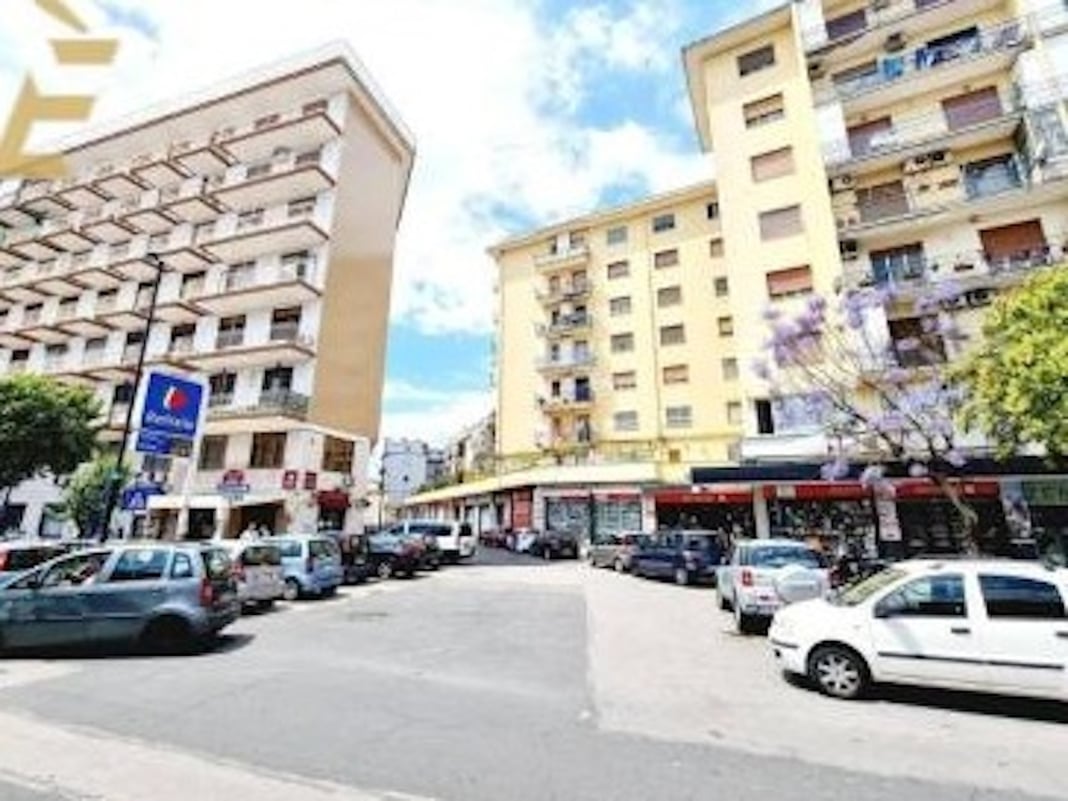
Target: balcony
918, 136
567, 325
157, 169
235, 352
67, 235
108, 226
280, 229
272, 182
177, 312
561, 365
303, 129
81, 192
271, 403
38, 198
29, 243
553, 296
574, 256
146, 214
263, 288
190, 202
13, 216
114, 182
928, 69
200, 157
567, 403
84, 326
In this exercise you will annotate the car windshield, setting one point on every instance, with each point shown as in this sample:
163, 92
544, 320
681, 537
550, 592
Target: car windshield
699, 542
260, 555
782, 555
858, 593
217, 563
289, 549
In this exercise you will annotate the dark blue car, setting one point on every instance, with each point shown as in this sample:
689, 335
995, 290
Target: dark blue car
688, 557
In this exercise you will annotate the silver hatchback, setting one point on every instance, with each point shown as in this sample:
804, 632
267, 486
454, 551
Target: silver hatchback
168, 597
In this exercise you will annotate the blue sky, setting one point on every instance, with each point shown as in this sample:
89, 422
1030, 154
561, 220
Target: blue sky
525, 112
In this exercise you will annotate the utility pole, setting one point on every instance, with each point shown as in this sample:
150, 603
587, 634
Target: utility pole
113, 482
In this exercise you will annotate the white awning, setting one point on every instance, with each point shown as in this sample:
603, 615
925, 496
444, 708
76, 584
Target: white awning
213, 501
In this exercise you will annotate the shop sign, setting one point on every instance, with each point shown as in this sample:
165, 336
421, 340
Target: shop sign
889, 525
1046, 493
704, 495
289, 479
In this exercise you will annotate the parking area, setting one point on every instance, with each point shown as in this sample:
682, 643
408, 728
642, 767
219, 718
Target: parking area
506, 678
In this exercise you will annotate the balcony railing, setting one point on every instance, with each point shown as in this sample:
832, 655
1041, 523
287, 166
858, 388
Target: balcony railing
567, 400
564, 292
181, 345
918, 268
878, 16
93, 357
284, 400
131, 353
571, 363
285, 332
563, 256
909, 65
230, 339
568, 323
220, 400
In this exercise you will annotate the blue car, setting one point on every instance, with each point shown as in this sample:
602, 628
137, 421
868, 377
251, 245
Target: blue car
688, 557
311, 565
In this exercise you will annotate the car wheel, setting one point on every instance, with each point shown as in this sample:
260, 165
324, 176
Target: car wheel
619, 566
169, 635
743, 623
839, 672
384, 570
329, 592
292, 590
546, 553
682, 576
724, 604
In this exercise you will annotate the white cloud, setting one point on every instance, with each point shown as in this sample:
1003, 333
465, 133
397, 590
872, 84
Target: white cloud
489, 89
431, 415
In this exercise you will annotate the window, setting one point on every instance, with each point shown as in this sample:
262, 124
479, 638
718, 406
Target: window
140, 565
250, 219
792, 281
930, 596
231, 332
847, 24
676, 374
761, 112
756, 60
856, 77
868, 137
1019, 597
765, 420
622, 343
715, 248
241, 275
666, 258
182, 567
618, 269
268, 450
721, 285
277, 379
285, 323
627, 380
122, 394
337, 455
193, 284
222, 384
773, 164
669, 296
619, 306
734, 413
730, 369
20, 356
663, 222
625, 421
301, 207
712, 210
678, 416
213, 452
616, 236
916, 341
900, 263
672, 335
68, 307
725, 325
779, 223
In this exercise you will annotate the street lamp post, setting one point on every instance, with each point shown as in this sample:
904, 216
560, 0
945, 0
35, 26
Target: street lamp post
113, 483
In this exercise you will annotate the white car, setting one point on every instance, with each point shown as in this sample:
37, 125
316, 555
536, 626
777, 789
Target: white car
455, 538
257, 571
994, 626
763, 575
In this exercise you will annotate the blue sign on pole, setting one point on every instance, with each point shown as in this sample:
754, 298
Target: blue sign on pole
171, 411
135, 498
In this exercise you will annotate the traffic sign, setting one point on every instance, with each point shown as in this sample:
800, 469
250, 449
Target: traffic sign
149, 441
135, 498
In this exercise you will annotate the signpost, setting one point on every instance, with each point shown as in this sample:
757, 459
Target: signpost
171, 413
135, 498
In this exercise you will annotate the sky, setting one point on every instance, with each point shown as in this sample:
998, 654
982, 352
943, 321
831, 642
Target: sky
524, 112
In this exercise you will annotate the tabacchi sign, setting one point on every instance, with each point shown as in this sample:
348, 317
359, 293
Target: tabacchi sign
31, 106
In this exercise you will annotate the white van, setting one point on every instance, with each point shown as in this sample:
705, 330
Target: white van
455, 538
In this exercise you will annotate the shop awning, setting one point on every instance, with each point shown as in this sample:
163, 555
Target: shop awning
703, 495
212, 501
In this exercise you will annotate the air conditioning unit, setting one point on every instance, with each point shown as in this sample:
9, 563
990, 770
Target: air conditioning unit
850, 249
979, 297
917, 164
842, 183
895, 42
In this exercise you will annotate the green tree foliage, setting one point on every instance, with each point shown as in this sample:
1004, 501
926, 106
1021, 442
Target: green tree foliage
87, 494
45, 427
1017, 379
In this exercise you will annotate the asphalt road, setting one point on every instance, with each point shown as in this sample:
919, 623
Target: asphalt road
512, 680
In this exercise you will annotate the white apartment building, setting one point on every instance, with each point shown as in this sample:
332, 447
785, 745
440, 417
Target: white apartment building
273, 202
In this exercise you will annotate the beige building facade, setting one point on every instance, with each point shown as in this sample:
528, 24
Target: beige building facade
272, 202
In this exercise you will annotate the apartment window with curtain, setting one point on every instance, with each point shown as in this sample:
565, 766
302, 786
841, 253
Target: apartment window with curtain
231, 332
618, 269
277, 380
763, 111
972, 108
676, 374
729, 368
212, 452
781, 223
663, 222
868, 137
619, 307
672, 335
625, 421
616, 235
666, 258
721, 286
715, 248
725, 326
268, 451
625, 380
622, 343
756, 60
222, 389
337, 455
678, 416
773, 164
285, 324
789, 282
668, 296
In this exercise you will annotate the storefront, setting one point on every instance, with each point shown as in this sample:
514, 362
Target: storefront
567, 510
931, 524
1043, 508
720, 508
333, 509
617, 511
832, 516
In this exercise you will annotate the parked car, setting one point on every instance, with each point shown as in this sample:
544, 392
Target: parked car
688, 557
997, 626
354, 563
455, 540
257, 571
554, 545
170, 597
763, 575
18, 557
389, 555
522, 540
430, 557
311, 564
615, 551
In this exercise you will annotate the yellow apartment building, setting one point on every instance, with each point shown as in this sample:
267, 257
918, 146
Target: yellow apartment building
899, 142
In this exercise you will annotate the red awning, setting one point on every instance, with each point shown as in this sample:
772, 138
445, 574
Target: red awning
923, 488
821, 491
333, 499
704, 496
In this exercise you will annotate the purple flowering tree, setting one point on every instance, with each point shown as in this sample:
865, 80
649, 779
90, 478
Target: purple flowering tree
880, 400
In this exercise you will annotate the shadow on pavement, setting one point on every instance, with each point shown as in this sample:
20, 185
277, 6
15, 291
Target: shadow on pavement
223, 644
